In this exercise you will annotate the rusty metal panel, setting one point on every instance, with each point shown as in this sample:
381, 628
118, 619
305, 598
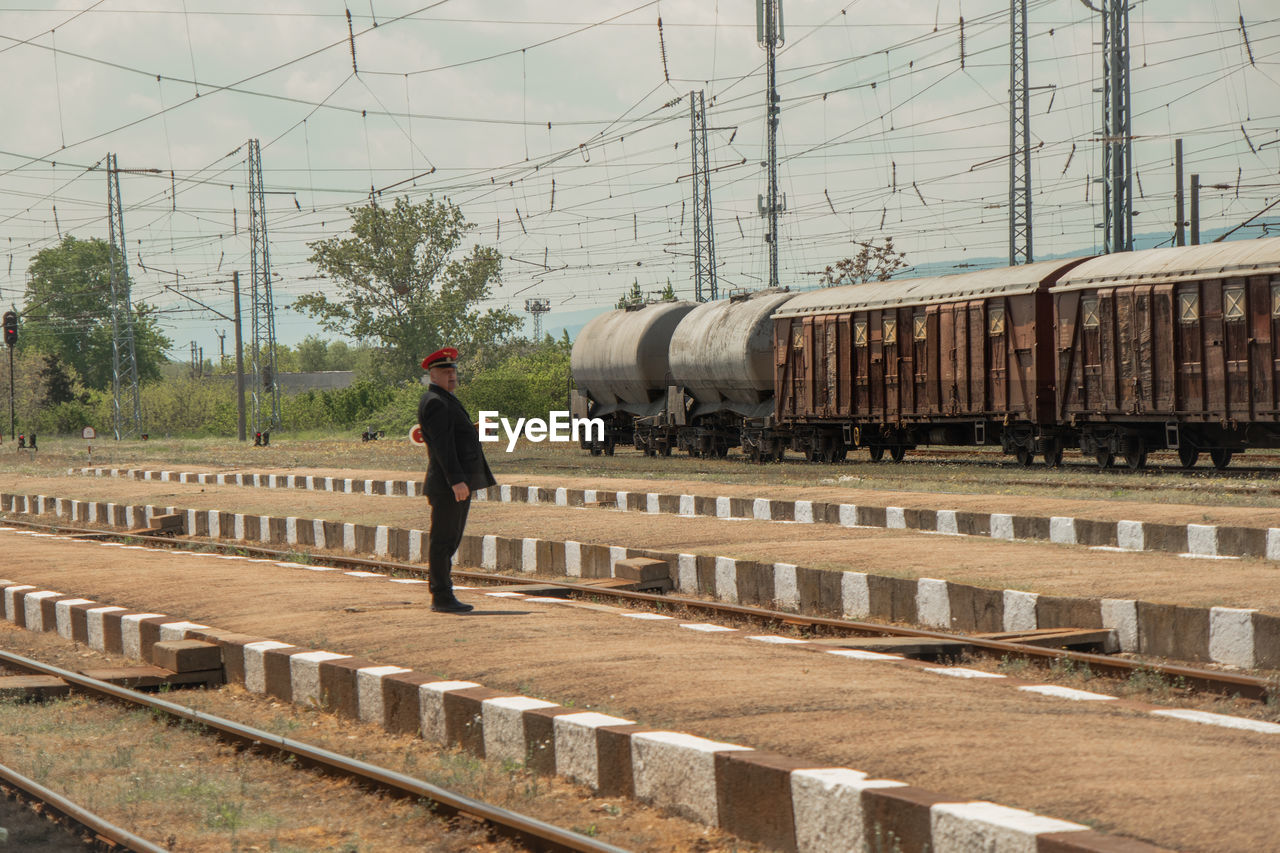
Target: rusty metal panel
861, 365
1215, 360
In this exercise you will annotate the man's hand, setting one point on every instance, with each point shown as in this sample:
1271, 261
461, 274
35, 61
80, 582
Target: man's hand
461, 491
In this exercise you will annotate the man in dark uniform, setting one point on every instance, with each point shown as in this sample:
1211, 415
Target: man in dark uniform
457, 467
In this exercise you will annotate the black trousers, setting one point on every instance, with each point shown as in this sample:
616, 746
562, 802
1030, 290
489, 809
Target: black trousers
448, 520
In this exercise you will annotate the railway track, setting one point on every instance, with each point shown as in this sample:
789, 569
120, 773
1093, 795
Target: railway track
1196, 678
524, 830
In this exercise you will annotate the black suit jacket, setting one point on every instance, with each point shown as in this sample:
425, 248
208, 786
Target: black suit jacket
452, 442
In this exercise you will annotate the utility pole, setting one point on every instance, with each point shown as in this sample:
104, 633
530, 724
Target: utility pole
1117, 130
770, 35
1195, 210
263, 355
537, 307
704, 244
222, 347
1179, 229
240, 431
126, 399
1020, 251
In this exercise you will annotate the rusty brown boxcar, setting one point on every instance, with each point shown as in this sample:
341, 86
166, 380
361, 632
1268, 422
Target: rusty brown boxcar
960, 359
1171, 348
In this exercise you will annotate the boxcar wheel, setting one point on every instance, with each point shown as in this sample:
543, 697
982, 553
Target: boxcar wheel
1104, 458
897, 452
665, 450
596, 450
1221, 457
876, 451
608, 448
1053, 455
1188, 455
1025, 457
1136, 461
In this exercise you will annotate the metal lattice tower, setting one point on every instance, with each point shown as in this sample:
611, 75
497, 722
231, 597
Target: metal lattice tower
769, 34
1019, 138
704, 243
1117, 128
537, 307
266, 384
126, 399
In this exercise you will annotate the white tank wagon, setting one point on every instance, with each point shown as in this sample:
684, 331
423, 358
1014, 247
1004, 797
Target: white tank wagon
620, 367
722, 371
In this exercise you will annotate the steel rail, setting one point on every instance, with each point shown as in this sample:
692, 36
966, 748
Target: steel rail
537, 834
1207, 680
73, 813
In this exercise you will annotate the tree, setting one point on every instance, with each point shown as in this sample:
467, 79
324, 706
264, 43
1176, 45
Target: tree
633, 296
669, 293
872, 263
313, 354
67, 313
59, 384
402, 281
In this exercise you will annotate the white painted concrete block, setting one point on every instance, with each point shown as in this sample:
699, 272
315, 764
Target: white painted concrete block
369, 701
616, 554
965, 827
349, 537
1224, 720
803, 512
1121, 616
503, 723
62, 615
895, 518
687, 573
572, 559
576, 755
589, 496
1062, 530
215, 524
786, 594
1131, 535
848, 515
489, 552
529, 555
1202, 540
291, 530
264, 528
431, 707
727, 579
94, 627
381, 541
416, 538
678, 772
238, 526
562, 496
1019, 610
686, 506
827, 803
651, 504
947, 522
1231, 636
1273, 543
855, 595
504, 493
173, 631
131, 633
255, 677
317, 533
621, 499
532, 495
1001, 526
304, 675
32, 610
760, 510
933, 603
723, 507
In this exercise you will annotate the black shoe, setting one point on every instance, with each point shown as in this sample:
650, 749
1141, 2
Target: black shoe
451, 606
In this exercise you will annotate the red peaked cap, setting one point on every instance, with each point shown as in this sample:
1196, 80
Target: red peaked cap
443, 357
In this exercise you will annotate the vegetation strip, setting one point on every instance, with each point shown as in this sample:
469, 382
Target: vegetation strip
33, 791
541, 834
763, 797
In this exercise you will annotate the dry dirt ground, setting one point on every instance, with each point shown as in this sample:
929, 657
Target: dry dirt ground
1040, 567
1174, 783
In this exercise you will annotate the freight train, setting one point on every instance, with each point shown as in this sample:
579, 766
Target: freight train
1116, 355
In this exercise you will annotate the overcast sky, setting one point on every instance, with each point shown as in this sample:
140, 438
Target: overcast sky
883, 133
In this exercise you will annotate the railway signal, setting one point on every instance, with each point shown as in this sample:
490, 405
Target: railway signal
10, 328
